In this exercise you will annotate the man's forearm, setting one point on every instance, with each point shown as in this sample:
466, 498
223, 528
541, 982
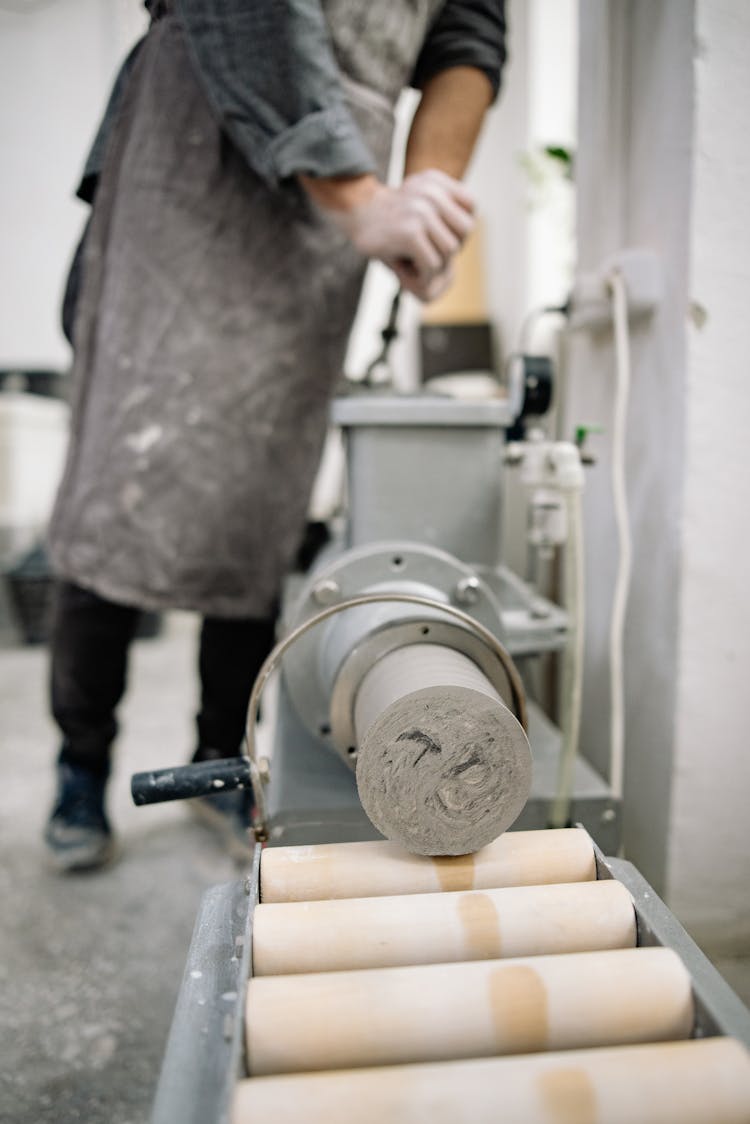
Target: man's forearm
448, 120
443, 135
416, 229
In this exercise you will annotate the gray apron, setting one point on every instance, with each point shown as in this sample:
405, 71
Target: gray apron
211, 328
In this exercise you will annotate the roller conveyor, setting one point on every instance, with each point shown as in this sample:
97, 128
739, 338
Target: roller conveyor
534, 981
529, 980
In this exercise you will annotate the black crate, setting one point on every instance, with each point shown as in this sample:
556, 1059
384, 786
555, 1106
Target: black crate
30, 589
44, 383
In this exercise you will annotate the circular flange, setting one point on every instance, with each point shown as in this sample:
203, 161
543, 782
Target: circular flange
400, 634
371, 568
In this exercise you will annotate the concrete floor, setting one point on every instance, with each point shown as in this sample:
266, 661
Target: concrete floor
90, 965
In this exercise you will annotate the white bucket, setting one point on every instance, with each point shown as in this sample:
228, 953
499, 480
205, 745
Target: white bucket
33, 440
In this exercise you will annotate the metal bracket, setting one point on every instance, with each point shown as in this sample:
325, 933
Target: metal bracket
718, 1011
205, 1049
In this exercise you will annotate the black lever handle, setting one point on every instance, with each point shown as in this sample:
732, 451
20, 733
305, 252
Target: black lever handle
186, 781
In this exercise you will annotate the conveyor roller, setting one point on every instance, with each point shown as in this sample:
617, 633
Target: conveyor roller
366, 870
704, 1082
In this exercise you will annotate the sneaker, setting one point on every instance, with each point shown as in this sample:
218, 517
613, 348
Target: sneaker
78, 835
228, 814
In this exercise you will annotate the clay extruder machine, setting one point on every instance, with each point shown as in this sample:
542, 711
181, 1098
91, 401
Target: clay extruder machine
451, 970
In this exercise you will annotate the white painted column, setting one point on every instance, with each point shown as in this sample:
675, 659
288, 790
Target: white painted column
709, 843
664, 93
633, 184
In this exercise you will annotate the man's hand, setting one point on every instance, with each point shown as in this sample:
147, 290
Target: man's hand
415, 229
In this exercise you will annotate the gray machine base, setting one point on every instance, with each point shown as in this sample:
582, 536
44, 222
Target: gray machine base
312, 797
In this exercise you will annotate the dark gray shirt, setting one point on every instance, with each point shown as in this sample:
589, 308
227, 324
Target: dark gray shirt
269, 71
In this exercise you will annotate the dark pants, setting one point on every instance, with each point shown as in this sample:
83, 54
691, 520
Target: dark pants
90, 642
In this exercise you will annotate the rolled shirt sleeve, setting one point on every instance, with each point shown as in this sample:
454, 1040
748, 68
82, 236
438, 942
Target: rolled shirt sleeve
268, 69
465, 33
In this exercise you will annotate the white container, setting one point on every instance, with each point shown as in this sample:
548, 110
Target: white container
33, 441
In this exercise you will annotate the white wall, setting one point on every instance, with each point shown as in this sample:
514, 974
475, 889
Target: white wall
709, 846
57, 62
552, 112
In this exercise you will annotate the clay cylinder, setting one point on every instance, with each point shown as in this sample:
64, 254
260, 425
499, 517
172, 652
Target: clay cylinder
437, 1012
367, 870
699, 1082
443, 766
331, 936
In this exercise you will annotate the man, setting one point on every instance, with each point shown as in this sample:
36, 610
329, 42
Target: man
238, 192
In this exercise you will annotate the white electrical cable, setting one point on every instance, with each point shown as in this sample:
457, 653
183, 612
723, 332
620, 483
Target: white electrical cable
619, 491
572, 674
